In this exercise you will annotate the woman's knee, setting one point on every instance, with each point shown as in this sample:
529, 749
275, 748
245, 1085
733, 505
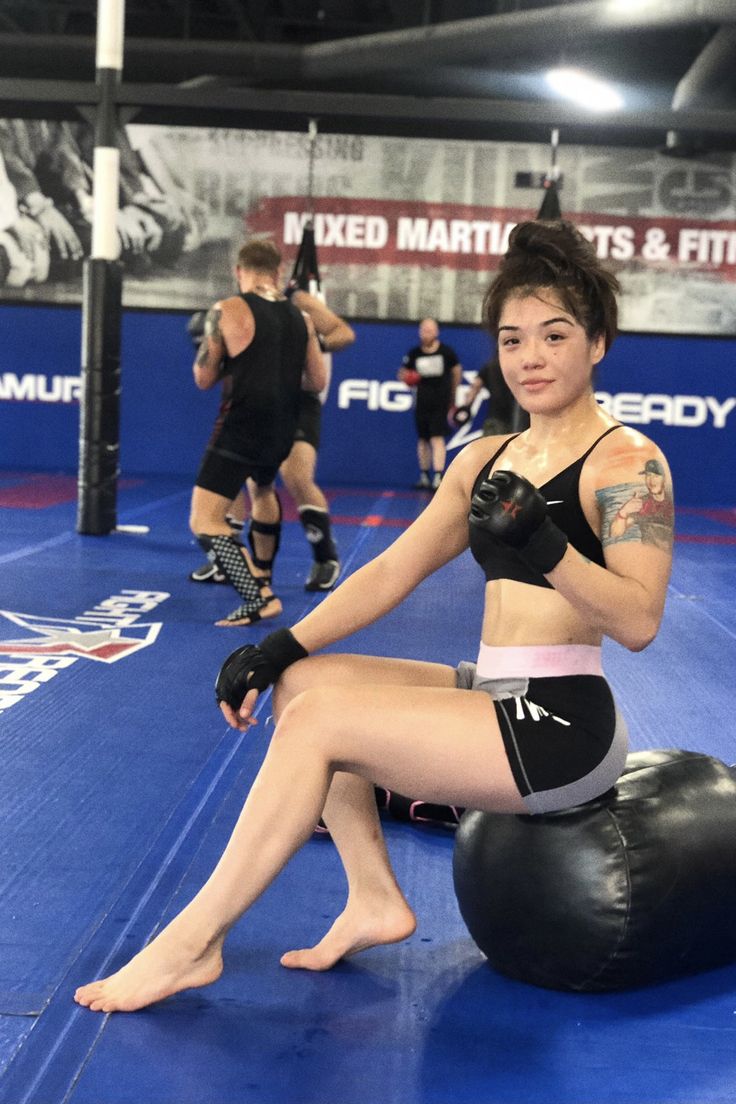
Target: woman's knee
311, 673
307, 717
292, 682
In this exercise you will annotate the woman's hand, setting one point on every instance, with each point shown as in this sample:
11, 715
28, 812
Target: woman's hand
242, 718
251, 669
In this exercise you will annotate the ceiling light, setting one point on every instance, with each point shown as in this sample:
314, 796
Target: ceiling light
587, 91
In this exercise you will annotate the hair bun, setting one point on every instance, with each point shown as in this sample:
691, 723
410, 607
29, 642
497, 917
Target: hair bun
551, 240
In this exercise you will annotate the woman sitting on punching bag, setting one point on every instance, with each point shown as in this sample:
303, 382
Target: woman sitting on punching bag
571, 523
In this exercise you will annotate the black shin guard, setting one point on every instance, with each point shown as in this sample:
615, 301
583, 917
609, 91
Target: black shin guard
316, 525
227, 554
270, 529
265, 529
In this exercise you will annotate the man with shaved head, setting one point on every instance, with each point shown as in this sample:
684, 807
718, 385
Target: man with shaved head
434, 369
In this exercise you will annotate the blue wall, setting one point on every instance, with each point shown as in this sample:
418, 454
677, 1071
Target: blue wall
678, 388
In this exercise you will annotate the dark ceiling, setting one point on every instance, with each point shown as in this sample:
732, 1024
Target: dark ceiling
434, 68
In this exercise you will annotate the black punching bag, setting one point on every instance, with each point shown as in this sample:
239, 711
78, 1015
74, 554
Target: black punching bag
638, 886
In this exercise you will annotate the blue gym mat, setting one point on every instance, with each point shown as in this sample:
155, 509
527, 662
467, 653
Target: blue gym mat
121, 783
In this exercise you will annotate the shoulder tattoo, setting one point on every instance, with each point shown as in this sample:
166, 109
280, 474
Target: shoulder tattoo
640, 511
212, 323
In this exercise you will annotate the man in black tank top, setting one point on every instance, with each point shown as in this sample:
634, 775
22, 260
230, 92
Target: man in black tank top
267, 350
298, 471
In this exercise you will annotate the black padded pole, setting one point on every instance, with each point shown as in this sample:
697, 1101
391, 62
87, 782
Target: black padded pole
99, 430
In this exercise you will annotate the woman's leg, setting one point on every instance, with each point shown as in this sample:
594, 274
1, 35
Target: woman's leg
376, 909
442, 744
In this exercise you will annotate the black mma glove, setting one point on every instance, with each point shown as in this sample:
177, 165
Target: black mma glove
195, 327
513, 511
461, 415
256, 666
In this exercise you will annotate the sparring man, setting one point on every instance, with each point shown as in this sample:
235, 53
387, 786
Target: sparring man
267, 349
298, 471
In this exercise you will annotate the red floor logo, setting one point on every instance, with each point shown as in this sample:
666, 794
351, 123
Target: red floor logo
106, 633
65, 638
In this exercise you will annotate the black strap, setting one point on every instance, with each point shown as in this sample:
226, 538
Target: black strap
483, 473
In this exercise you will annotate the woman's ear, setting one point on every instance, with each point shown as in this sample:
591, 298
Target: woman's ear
598, 348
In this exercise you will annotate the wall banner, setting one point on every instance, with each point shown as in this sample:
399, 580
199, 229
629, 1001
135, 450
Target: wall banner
405, 227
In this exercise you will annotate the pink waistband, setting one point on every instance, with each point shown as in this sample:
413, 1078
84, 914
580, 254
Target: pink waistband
539, 661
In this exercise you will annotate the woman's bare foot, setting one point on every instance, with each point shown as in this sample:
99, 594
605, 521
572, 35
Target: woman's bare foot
356, 929
162, 968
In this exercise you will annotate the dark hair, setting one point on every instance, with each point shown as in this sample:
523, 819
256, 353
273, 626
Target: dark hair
555, 255
260, 255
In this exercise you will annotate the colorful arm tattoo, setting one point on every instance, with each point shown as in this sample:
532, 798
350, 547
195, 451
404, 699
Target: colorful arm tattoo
638, 511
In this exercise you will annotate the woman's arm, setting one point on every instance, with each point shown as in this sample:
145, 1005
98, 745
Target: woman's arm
631, 488
438, 535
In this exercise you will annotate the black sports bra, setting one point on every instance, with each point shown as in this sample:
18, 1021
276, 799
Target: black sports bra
499, 561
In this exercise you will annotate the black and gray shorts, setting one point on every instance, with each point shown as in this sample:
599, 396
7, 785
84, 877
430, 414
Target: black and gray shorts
565, 739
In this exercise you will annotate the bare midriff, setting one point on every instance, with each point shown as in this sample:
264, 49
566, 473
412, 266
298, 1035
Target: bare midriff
517, 614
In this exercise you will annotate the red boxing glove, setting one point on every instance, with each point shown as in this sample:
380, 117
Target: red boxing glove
411, 378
